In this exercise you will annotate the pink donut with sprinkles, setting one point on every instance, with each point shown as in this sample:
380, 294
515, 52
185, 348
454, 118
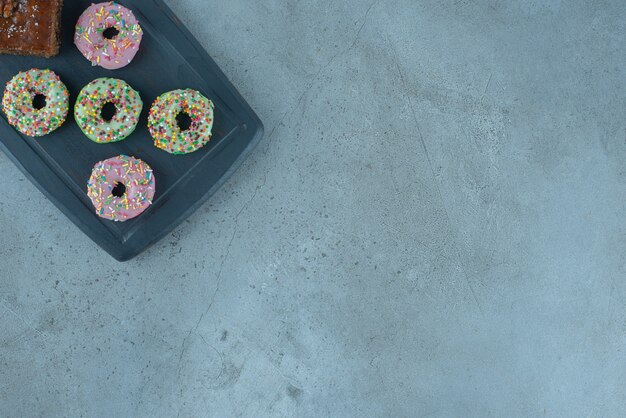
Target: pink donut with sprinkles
108, 35
121, 188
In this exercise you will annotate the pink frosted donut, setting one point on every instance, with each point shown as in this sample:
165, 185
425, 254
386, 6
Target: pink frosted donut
108, 35
121, 188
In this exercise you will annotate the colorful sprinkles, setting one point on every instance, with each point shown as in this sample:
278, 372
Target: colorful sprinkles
164, 128
113, 53
19, 94
139, 186
91, 100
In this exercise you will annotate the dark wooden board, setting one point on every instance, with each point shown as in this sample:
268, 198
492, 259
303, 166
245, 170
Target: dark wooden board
60, 164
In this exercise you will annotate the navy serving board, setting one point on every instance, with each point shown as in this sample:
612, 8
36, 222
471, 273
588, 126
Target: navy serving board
60, 163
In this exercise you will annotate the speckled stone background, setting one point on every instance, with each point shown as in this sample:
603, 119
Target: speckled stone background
434, 225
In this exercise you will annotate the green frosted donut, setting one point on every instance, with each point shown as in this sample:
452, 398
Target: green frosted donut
165, 129
22, 91
107, 91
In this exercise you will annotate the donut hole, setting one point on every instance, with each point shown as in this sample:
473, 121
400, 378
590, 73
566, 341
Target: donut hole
110, 33
39, 101
119, 190
183, 120
108, 111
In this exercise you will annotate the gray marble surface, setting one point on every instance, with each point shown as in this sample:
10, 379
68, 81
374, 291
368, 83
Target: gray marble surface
434, 225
